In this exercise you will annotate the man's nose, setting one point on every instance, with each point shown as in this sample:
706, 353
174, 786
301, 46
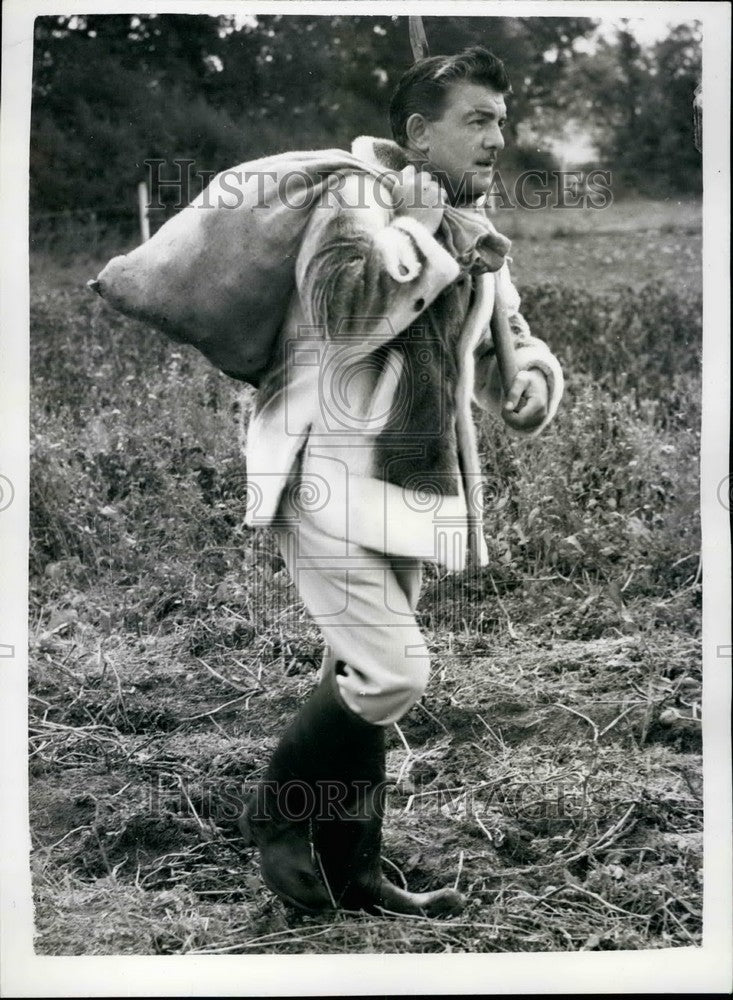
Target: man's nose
493, 139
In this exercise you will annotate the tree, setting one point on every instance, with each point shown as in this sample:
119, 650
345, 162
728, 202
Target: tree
639, 105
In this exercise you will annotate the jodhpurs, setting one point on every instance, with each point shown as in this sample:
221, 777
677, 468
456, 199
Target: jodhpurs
364, 603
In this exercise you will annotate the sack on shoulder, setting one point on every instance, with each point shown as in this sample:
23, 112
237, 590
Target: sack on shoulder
221, 273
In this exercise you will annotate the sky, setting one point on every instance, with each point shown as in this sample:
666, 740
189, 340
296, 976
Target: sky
646, 30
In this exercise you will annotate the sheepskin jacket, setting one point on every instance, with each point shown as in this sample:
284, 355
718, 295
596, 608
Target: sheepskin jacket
365, 416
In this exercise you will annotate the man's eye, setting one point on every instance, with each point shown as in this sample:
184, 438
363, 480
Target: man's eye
502, 123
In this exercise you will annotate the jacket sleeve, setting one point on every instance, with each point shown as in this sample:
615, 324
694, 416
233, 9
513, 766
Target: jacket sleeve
359, 260
531, 352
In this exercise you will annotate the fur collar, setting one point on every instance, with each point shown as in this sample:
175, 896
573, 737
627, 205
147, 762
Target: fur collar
379, 152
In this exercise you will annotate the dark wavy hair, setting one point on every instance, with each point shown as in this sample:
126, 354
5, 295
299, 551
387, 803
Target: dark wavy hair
424, 87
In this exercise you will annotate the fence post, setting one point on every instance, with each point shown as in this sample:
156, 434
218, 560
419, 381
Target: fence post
142, 205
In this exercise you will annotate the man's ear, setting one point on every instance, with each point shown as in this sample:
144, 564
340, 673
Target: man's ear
416, 128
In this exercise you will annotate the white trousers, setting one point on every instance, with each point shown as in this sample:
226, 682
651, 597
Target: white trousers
364, 603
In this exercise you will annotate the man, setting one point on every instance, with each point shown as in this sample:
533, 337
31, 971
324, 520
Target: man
361, 431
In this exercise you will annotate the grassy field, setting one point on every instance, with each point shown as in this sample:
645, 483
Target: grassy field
552, 770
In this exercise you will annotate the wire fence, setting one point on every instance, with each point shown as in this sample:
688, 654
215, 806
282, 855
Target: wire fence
72, 230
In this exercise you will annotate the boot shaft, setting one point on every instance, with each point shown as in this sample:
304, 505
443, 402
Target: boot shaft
328, 743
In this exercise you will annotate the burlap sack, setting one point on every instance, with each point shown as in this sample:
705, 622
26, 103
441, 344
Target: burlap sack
220, 274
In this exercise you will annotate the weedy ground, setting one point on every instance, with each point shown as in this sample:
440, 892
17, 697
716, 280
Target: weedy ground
552, 770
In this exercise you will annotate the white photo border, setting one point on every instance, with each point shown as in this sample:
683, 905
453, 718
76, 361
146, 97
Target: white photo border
679, 970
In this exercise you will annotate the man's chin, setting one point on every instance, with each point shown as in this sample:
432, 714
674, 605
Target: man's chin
463, 190
482, 177
473, 185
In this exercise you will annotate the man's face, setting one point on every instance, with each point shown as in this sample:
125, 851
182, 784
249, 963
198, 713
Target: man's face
464, 143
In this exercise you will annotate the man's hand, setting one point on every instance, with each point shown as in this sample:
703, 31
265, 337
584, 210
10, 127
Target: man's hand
418, 195
526, 405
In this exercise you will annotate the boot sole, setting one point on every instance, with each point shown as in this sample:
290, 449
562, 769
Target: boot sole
389, 899
250, 840
439, 903
292, 901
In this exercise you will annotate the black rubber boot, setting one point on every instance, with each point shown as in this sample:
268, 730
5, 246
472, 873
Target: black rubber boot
320, 754
349, 842
329, 768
